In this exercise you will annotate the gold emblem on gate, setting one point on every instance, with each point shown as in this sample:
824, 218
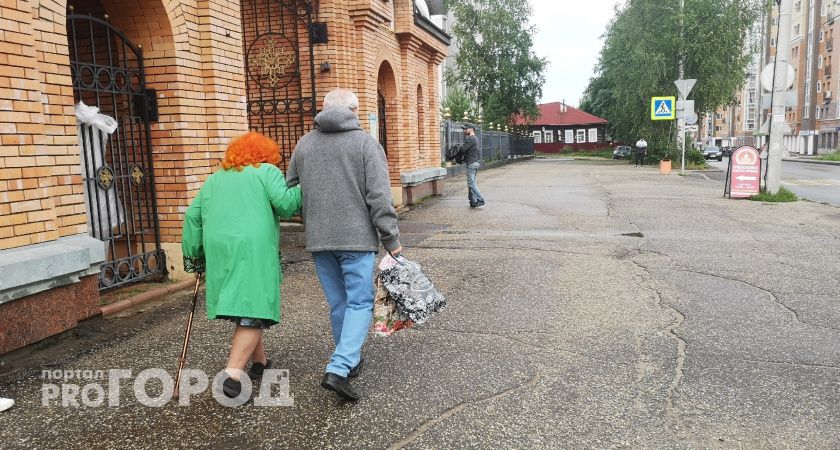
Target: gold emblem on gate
105, 177
137, 174
272, 60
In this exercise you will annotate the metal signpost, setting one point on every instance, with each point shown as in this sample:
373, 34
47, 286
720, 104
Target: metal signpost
685, 116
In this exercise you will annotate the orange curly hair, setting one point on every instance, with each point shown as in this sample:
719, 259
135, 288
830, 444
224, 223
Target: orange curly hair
251, 150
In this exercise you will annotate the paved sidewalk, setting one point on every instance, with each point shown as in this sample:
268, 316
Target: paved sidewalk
591, 304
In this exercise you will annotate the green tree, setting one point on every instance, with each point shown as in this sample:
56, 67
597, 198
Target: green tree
496, 63
643, 47
458, 103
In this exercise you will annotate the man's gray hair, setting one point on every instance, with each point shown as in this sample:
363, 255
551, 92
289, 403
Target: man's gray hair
341, 97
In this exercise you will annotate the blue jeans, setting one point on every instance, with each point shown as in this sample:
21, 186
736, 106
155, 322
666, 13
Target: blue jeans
474, 194
347, 280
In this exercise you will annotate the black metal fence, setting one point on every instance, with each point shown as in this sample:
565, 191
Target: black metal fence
495, 145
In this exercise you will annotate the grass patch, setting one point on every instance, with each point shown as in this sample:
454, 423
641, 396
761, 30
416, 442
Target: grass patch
830, 157
784, 195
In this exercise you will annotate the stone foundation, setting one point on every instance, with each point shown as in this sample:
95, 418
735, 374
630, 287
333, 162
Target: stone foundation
413, 194
38, 316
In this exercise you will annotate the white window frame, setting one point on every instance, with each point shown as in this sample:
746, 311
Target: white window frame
549, 137
580, 136
537, 137
819, 86
570, 137
820, 62
591, 138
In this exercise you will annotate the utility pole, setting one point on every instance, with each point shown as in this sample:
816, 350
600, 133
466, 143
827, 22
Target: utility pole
681, 120
777, 103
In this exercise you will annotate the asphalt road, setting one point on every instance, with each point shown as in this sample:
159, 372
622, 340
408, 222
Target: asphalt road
816, 182
591, 305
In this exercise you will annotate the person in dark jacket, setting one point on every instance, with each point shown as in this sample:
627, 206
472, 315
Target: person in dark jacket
348, 211
472, 159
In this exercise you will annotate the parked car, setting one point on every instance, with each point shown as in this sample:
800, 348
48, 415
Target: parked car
621, 152
713, 152
726, 151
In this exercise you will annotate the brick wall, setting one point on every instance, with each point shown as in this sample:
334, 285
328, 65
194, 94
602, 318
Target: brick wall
193, 57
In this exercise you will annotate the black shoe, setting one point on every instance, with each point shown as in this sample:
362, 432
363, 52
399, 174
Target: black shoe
479, 203
232, 388
354, 372
340, 385
257, 368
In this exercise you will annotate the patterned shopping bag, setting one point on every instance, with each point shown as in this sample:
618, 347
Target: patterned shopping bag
386, 318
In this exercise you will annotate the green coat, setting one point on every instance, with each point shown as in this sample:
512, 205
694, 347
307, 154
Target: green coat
231, 233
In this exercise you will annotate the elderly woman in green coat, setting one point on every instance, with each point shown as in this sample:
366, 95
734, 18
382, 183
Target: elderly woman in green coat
231, 233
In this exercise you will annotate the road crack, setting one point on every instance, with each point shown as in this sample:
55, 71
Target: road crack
446, 414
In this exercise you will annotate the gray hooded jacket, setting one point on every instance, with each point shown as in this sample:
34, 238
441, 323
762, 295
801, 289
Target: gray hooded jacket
342, 170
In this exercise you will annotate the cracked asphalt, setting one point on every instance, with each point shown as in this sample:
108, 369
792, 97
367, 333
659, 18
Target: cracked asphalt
591, 304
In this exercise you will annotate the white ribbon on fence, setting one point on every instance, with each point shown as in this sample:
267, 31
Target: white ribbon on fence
105, 212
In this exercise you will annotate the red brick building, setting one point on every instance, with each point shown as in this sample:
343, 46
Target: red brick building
85, 209
561, 128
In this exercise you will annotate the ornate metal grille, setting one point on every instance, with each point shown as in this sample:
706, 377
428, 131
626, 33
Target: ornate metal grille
107, 72
382, 120
278, 56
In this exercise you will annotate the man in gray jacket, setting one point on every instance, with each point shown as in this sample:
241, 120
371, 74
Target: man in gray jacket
347, 211
472, 159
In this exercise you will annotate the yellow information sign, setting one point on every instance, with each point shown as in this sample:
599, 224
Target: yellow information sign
663, 108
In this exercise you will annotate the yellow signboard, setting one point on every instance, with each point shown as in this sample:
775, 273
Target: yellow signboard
663, 108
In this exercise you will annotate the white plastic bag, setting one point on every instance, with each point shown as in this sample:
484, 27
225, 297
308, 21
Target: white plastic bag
106, 212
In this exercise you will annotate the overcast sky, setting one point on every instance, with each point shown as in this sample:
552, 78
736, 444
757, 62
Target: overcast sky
568, 35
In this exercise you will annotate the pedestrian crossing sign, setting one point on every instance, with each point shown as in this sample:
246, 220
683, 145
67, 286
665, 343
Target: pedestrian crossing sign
663, 108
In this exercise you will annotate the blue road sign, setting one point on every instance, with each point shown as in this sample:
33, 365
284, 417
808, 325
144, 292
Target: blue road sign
663, 108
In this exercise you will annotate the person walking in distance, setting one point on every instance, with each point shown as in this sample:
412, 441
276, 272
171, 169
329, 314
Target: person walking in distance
472, 159
640, 152
347, 212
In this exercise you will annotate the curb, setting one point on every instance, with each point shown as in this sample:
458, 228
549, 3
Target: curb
813, 161
145, 297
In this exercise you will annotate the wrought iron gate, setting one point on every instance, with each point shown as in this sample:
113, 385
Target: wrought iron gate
107, 72
382, 119
277, 46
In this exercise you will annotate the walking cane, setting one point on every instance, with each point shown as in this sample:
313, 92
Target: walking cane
183, 359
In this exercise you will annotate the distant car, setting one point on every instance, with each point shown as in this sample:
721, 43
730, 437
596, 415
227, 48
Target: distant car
713, 152
726, 152
621, 152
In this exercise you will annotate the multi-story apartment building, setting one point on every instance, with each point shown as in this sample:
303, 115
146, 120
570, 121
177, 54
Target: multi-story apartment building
815, 118
828, 84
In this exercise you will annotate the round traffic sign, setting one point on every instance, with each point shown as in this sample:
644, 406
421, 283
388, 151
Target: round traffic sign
767, 77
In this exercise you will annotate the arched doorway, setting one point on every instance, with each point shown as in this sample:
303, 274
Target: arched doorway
107, 72
386, 94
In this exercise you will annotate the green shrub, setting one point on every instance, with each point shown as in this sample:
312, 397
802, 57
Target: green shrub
693, 156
